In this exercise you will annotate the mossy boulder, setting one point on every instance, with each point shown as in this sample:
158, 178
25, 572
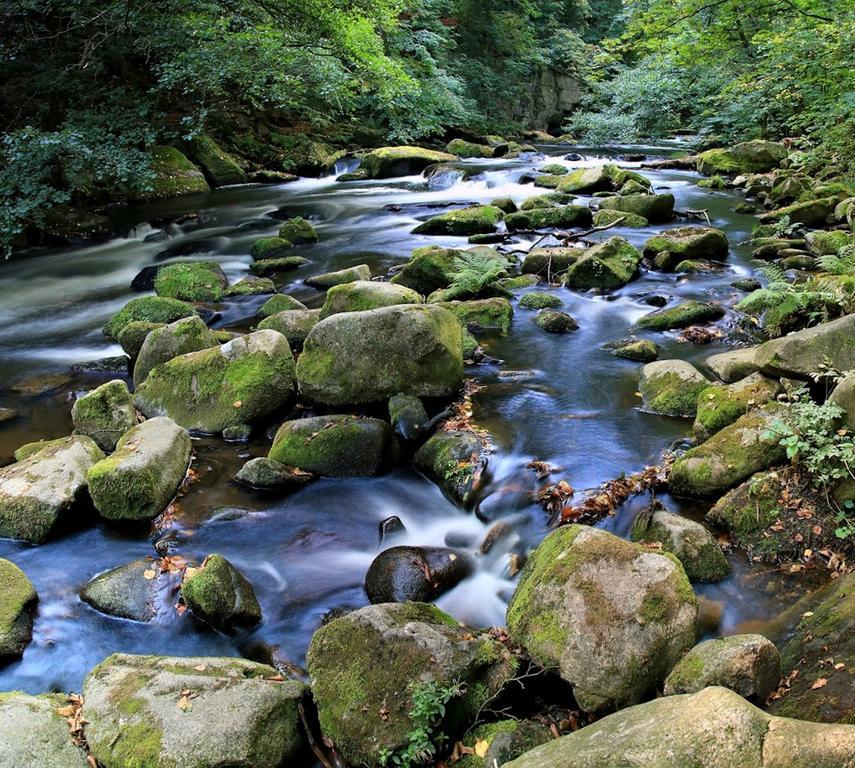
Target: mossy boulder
129, 591
477, 315
545, 218
611, 617
132, 336
802, 353
517, 282
823, 243
843, 396
42, 493
358, 357
548, 262
467, 149
555, 169
219, 594
747, 511
192, 281
604, 217
139, 713
35, 732
340, 277
825, 632
811, 213
639, 350
219, 166
407, 415
553, 321
269, 248
140, 478
466, 221
335, 446
672, 246
540, 301
714, 728
362, 295
281, 302
388, 162
266, 474
147, 309
606, 266
294, 324
174, 175
240, 382
277, 266
602, 178
104, 414
681, 315
692, 544
747, 664
252, 285
671, 387
504, 204
547, 200
18, 601
730, 456
429, 269
789, 189
369, 666
28, 449
298, 230
497, 743
719, 406
163, 344
756, 156
654, 208
733, 365
456, 461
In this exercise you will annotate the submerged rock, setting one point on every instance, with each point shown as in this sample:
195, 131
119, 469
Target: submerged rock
220, 594
140, 478
421, 574
609, 616
104, 414
368, 666
237, 712
163, 344
362, 295
129, 591
17, 610
455, 461
671, 387
38, 494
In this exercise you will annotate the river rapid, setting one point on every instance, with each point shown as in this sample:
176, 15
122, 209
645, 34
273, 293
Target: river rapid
557, 398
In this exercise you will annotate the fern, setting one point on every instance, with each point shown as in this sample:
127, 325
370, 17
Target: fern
474, 273
842, 263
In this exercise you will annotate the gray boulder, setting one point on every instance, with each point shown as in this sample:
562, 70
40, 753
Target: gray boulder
362, 295
268, 475
340, 277
129, 591
733, 365
844, 397
294, 324
800, 354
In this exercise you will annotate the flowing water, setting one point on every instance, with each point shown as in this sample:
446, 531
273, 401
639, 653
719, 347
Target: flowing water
558, 398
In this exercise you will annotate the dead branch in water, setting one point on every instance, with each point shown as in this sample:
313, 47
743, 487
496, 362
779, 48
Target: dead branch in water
698, 214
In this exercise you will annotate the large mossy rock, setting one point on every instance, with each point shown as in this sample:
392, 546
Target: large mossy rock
692, 544
755, 156
335, 446
339, 277
467, 149
802, 353
237, 713
825, 632
714, 728
387, 162
811, 213
104, 414
548, 262
747, 664
39, 494
219, 594
477, 219
719, 406
671, 387
147, 309
294, 324
363, 295
190, 334
477, 315
298, 230
611, 617
455, 461
822, 243
34, 733
654, 208
251, 285
359, 357
367, 667
607, 266
669, 248
132, 336
281, 302
545, 218
219, 166
193, 281
128, 591
681, 315
276, 266
730, 456
602, 178
140, 478
174, 175
244, 380
429, 269
18, 601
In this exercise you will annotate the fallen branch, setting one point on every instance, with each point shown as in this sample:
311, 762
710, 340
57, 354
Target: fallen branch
578, 235
702, 213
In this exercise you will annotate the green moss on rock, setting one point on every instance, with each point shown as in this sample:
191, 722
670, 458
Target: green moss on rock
363, 295
269, 248
466, 221
545, 218
104, 414
654, 208
671, 387
606, 266
719, 406
18, 600
148, 309
220, 594
682, 315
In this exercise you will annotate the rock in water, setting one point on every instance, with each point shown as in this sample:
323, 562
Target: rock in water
243, 380
401, 573
719, 406
654, 208
17, 609
38, 494
407, 415
221, 595
340, 277
141, 477
747, 664
190, 334
237, 713
266, 475
34, 734
358, 357
714, 728
368, 666
671, 387
681, 315
335, 446
128, 591
455, 461
672, 246
147, 309
387, 162
105, 414
362, 295
607, 266
293, 324
609, 616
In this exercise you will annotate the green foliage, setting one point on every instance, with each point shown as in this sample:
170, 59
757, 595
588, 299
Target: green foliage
842, 263
429, 702
474, 273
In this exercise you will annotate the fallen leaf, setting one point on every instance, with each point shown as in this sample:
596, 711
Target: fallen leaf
481, 747
184, 704
237, 403
820, 682
149, 574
